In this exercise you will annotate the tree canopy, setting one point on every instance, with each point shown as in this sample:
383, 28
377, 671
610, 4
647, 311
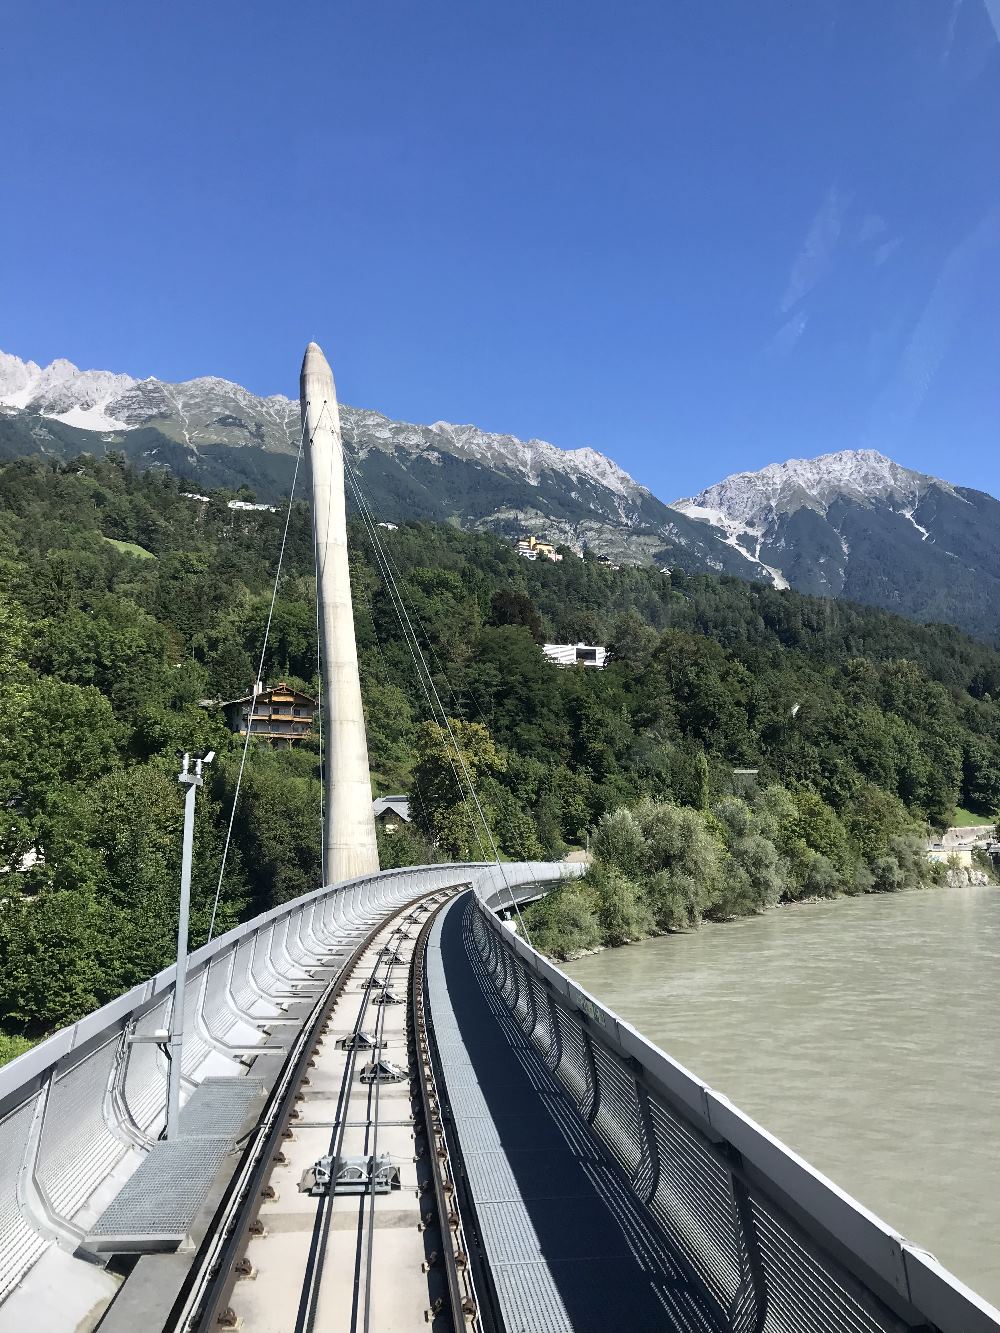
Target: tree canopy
863, 727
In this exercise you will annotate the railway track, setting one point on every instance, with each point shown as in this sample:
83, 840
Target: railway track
378, 1246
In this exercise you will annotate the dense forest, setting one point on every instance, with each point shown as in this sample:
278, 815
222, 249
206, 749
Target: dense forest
128, 608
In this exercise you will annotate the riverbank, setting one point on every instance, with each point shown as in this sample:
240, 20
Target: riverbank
963, 880
660, 867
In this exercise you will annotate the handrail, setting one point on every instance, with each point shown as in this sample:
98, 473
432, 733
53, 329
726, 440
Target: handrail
874, 1264
34, 1064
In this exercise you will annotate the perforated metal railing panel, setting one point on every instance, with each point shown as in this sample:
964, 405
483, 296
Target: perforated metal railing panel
146, 1070
20, 1243
220, 1019
195, 1048
800, 1288
573, 1068
243, 993
105, 1079
729, 1232
77, 1149
617, 1115
693, 1200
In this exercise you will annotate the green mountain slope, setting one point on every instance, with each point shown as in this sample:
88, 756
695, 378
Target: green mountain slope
869, 724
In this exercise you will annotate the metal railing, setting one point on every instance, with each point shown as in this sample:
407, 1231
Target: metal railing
79, 1111
775, 1246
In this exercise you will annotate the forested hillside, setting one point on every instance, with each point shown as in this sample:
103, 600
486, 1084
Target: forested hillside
126, 604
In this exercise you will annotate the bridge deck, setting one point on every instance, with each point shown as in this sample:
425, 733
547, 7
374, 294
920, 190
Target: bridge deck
312, 1262
568, 1246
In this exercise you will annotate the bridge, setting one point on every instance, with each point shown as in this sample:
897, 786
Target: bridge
395, 1113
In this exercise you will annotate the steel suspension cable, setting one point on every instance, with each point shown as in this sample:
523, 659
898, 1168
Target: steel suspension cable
377, 543
319, 710
375, 512
418, 797
413, 645
258, 679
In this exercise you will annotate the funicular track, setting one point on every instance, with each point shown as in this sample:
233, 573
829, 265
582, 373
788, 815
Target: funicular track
279, 1258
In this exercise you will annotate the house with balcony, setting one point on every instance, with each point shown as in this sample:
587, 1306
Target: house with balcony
278, 714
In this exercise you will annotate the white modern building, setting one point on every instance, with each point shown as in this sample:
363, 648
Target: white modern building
576, 654
532, 549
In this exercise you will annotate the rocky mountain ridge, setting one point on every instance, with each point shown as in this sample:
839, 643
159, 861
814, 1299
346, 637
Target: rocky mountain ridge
861, 474
207, 409
218, 433
849, 524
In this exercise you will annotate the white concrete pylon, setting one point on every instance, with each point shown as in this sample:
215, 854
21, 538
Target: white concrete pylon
350, 848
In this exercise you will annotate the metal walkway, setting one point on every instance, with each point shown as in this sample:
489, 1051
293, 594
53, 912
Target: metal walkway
570, 1249
756, 1241
158, 1204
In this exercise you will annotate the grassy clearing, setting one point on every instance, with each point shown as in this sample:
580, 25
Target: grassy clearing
967, 819
10, 1047
130, 548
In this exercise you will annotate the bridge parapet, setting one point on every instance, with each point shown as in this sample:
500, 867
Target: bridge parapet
775, 1245
79, 1112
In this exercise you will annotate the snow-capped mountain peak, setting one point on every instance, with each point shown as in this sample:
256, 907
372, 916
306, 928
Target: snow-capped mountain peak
209, 410
753, 498
847, 524
62, 390
835, 523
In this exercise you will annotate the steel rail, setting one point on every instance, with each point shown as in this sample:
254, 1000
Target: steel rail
203, 1302
371, 1133
313, 1277
455, 1256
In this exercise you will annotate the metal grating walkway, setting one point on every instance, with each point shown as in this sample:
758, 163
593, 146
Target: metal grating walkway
157, 1205
569, 1248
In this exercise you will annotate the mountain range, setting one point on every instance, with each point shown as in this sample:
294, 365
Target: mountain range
849, 524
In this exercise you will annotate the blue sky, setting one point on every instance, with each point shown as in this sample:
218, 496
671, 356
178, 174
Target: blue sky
700, 237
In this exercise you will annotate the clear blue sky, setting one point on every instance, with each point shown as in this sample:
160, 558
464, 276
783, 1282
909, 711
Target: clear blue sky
700, 237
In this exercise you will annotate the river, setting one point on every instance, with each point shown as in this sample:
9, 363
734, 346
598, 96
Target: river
863, 1032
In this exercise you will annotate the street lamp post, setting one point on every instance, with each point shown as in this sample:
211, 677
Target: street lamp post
192, 780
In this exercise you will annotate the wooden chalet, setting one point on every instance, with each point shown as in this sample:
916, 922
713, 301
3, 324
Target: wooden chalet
278, 714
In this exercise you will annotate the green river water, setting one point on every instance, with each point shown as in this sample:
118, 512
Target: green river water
863, 1032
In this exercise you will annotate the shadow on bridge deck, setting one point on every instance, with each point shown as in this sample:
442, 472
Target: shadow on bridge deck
568, 1244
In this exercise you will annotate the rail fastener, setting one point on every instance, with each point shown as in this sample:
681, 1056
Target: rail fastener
458, 1275
205, 1296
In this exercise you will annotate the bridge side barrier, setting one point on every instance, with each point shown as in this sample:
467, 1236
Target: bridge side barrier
79, 1111
776, 1244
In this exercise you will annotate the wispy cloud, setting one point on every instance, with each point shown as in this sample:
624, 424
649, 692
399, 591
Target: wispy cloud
815, 256
784, 341
935, 328
872, 226
949, 41
886, 250
993, 9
